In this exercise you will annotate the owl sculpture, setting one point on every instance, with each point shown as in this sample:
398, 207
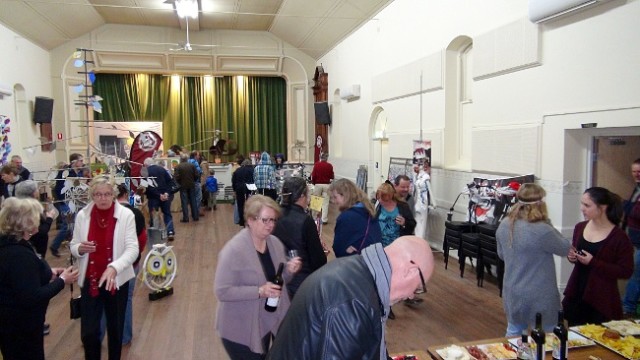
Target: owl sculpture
160, 267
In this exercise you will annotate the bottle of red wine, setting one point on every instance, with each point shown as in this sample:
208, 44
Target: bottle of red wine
272, 303
562, 334
538, 336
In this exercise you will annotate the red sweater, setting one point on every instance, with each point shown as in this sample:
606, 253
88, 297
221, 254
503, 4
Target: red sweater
613, 261
322, 173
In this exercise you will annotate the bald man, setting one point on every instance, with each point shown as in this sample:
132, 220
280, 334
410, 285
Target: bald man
340, 311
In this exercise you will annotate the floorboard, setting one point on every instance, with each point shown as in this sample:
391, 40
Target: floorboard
181, 326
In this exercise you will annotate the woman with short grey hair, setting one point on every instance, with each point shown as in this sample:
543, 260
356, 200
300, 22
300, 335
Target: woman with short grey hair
40, 240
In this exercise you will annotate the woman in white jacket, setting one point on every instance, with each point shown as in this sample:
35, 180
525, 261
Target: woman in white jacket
106, 245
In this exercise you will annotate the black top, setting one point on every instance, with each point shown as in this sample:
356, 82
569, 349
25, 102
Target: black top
267, 264
298, 231
25, 286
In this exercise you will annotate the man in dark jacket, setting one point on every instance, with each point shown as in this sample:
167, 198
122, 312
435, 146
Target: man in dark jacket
632, 226
341, 309
239, 180
159, 195
186, 175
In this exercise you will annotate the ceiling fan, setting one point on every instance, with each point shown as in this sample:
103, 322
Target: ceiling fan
187, 45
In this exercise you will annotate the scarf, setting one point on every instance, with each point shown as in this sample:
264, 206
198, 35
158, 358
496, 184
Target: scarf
380, 268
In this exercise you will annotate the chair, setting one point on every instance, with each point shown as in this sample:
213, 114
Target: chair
452, 237
470, 248
489, 254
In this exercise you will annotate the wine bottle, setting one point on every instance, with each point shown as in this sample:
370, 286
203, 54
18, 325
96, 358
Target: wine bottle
538, 335
561, 333
272, 303
524, 350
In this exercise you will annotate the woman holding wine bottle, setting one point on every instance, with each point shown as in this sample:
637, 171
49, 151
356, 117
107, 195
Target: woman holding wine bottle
247, 285
602, 254
527, 242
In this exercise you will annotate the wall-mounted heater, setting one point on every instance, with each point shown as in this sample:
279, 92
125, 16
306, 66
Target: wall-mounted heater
545, 10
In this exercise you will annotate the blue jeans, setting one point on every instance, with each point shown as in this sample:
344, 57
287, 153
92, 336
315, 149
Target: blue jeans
188, 197
199, 195
517, 329
165, 207
632, 292
63, 232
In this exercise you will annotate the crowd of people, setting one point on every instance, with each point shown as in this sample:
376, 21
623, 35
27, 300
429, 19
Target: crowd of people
278, 295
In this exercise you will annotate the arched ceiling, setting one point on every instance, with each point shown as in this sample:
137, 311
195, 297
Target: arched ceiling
313, 26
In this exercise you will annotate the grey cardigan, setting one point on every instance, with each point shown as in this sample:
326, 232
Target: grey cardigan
530, 284
241, 316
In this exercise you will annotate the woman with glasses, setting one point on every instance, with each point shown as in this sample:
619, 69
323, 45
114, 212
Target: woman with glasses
246, 267
106, 245
527, 242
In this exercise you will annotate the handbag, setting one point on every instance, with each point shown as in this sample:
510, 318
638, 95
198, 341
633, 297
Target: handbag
75, 309
74, 305
174, 186
365, 235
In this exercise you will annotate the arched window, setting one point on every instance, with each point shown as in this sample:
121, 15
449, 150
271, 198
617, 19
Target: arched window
380, 150
458, 104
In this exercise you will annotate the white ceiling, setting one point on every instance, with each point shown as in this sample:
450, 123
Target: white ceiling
313, 26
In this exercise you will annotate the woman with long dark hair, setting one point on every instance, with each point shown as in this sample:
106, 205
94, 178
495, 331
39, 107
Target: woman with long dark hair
602, 254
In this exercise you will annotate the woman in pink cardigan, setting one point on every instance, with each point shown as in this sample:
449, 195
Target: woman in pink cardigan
602, 254
246, 266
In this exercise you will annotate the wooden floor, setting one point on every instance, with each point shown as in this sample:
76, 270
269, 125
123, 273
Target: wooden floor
181, 326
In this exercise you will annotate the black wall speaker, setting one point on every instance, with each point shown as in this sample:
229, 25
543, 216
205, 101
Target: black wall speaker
323, 117
43, 110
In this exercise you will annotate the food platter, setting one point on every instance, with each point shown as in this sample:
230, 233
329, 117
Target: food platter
454, 352
497, 351
626, 346
574, 340
624, 327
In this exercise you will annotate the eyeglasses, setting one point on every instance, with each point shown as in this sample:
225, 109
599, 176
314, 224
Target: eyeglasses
102, 195
424, 285
267, 220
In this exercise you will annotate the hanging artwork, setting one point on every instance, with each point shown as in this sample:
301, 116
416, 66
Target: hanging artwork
5, 147
421, 151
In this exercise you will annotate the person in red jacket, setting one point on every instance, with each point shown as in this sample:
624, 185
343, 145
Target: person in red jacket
602, 254
321, 177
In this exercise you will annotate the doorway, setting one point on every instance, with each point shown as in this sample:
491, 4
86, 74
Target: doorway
611, 162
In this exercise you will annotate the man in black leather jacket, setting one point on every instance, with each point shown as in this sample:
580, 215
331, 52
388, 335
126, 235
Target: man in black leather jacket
341, 309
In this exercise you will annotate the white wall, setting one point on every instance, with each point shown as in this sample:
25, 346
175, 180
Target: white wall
586, 69
24, 66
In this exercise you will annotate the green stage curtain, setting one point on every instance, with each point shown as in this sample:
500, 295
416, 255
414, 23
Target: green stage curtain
248, 110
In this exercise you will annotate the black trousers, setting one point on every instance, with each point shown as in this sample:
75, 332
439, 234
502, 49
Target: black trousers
22, 345
238, 351
114, 307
